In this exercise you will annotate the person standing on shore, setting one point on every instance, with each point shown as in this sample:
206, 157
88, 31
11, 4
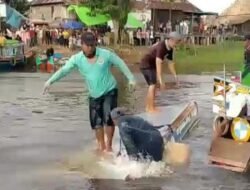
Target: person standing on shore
94, 65
151, 66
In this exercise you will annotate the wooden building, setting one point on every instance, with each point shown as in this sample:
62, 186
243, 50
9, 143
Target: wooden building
242, 25
237, 15
162, 11
50, 10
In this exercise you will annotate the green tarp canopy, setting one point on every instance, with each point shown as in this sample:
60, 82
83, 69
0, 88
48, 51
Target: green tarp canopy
133, 22
83, 14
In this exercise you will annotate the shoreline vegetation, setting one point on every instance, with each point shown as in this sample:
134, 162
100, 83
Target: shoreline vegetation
196, 59
189, 60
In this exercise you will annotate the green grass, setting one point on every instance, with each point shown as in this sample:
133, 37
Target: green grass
210, 58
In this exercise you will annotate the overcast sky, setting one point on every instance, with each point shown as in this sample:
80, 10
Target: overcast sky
212, 5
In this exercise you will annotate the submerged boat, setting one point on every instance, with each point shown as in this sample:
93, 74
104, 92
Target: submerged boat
230, 147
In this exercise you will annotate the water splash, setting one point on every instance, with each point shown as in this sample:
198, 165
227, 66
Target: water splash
122, 167
109, 166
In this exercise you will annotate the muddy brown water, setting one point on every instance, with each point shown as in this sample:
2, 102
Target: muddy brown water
37, 133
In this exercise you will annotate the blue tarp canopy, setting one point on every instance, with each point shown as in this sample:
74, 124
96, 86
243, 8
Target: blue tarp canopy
74, 25
14, 18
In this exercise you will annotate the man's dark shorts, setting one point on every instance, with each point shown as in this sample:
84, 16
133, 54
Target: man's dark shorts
150, 76
100, 108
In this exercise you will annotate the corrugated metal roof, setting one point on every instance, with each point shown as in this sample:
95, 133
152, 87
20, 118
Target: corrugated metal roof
238, 12
46, 2
185, 7
153, 4
240, 20
139, 5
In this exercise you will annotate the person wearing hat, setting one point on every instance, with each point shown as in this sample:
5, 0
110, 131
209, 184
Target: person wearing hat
151, 66
94, 65
141, 139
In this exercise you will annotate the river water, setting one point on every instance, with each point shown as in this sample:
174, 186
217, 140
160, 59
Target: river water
38, 134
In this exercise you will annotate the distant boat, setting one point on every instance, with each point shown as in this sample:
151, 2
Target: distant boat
11, 54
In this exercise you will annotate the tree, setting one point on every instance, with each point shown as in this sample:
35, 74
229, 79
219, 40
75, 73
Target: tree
117, 9
21, 6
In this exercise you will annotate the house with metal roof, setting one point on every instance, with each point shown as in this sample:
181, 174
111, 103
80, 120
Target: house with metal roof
50, 10
237, 15
154, 10
162, 11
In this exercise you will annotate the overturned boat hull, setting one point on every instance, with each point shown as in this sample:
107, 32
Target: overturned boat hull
181, 119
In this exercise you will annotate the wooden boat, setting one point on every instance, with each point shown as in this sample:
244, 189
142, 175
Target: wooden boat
12, 54
181, 119
178, 120
175, 122
225, 151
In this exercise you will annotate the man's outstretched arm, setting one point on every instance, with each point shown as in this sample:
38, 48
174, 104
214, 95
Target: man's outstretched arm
66, 69
118, 62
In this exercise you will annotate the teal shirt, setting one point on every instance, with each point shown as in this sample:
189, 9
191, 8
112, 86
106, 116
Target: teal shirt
98, 75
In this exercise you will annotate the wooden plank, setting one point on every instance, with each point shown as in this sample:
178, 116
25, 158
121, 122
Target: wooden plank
224, 162
230, 153
226, 167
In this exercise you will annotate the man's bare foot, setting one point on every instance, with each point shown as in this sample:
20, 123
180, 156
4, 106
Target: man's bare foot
153, 110
109, 149
102, 154
99, 151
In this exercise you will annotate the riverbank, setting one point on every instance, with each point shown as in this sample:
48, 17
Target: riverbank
197, 59
189, 60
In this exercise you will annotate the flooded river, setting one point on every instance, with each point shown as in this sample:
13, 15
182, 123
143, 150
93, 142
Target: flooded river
39, 133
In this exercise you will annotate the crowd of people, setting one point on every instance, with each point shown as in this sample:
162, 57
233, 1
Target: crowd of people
142, 36
44, 35
149, 35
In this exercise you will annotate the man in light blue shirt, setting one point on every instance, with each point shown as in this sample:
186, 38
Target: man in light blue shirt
94, 65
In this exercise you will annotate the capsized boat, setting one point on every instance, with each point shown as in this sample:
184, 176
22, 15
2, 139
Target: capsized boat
180, 119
